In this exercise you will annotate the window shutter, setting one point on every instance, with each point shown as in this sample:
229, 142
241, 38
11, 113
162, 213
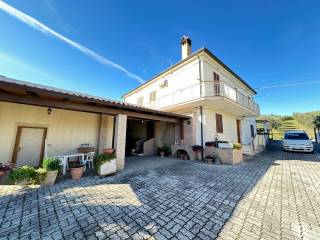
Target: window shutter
252, 130
219, 123
152, 96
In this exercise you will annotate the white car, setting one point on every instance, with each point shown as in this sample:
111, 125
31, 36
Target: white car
297, 141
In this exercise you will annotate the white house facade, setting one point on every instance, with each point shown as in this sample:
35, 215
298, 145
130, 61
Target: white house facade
201, 86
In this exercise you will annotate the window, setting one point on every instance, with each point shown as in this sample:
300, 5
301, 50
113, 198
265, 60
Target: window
140, 101
252, 130
153, 96
219, 123
216, 84
296, 136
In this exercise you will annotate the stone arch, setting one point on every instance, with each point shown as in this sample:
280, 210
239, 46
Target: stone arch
182, 153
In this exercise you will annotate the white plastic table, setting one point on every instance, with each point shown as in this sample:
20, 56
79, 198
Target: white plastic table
65, 161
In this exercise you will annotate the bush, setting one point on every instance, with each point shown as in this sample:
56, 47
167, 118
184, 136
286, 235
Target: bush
24, 173
164, 149
51, 164
237, 146
102, 158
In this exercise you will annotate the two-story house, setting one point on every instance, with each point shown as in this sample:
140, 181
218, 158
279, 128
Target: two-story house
201, 86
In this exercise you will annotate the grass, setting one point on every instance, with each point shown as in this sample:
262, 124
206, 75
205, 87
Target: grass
291, 124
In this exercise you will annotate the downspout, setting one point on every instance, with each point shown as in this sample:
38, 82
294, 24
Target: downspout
201, 131
201, 115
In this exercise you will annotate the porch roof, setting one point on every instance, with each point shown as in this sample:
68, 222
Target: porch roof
16, 91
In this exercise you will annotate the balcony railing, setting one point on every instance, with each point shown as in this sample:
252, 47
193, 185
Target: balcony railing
206, 89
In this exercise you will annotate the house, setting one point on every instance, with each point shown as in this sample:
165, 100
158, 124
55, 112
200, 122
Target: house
201, 86
38, 120
197, 100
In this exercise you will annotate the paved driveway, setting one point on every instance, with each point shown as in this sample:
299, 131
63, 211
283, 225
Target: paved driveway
274, 195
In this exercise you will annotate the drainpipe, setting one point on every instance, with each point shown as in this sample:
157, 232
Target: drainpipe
200, 77
201, 131
201, 116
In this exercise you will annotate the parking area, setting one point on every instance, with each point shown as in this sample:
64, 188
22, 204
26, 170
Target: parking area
274, 195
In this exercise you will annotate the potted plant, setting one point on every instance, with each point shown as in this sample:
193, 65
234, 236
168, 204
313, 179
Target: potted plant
4, 171
76, 171
163, 150
49, 171
105, 164
197, 149
24, 175
108, 150
237, 153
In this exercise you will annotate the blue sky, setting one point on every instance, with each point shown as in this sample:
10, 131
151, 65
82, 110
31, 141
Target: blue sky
267, 43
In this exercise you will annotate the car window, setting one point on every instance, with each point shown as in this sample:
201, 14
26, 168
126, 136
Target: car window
298, 136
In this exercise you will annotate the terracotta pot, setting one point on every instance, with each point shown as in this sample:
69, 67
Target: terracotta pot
162, 154
76, 172
108, 150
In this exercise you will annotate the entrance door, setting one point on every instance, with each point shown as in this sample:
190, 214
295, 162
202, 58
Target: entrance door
239, 130
29, 146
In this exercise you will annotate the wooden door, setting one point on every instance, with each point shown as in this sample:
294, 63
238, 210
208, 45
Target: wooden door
239, 130
29, 146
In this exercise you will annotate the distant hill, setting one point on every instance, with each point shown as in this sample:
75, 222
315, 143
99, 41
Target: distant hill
280, 124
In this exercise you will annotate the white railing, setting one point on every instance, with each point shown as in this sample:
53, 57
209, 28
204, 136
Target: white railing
206, 89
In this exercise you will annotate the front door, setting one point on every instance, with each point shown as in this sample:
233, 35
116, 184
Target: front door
29, 146
239, 130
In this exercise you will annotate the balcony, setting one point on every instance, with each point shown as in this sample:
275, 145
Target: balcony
221, 95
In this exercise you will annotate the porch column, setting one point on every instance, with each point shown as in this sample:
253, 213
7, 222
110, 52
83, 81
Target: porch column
120, 139
106, 132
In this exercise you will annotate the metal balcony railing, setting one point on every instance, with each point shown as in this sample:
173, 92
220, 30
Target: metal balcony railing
202, 90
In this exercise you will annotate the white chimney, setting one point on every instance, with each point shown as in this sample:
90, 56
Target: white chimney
185, 47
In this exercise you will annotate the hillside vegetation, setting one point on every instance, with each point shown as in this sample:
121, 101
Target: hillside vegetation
280, 124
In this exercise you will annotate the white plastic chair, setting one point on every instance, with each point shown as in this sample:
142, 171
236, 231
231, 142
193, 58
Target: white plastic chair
88, 158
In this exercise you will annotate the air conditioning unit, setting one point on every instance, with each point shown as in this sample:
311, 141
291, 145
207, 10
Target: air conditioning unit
164, 84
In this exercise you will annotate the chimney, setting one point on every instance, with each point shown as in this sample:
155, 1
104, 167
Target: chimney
185, 47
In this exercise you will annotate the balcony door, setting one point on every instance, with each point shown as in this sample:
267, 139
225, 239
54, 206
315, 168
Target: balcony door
239, 130
216, 84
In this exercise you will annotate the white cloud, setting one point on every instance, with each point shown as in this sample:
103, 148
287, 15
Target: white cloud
32, 22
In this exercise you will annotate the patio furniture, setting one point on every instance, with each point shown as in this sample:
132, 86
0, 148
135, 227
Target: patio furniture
65, 161
88, 159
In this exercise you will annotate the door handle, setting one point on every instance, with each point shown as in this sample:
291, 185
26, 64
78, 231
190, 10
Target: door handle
19, 148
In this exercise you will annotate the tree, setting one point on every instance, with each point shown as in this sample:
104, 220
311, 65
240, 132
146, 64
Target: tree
316, 122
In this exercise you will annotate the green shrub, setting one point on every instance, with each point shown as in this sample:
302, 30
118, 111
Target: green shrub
51, 164
101, 159
24, 173
164, 148
237, 146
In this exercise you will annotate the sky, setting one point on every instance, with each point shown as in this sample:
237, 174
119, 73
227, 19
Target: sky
107, 48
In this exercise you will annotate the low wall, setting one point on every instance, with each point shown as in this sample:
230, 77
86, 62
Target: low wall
226, 156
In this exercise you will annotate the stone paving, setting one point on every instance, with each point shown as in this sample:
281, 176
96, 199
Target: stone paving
274, 195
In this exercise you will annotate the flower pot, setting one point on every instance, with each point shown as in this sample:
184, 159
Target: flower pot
49, 178
162, 154
108, 150
109, 167
76, 172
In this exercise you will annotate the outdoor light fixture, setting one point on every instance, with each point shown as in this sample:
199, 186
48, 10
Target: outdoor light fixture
49, 111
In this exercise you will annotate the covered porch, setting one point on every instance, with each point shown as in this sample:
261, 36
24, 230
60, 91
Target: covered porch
39, 121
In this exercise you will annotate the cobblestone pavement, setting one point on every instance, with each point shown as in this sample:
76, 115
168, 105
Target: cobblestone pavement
273, 195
